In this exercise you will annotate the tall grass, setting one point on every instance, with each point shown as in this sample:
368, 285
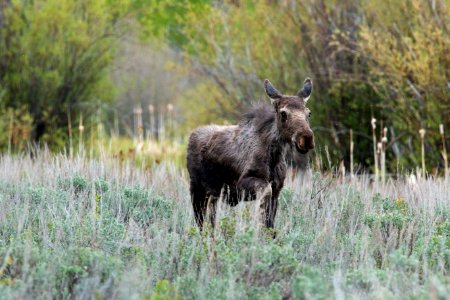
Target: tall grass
81, 228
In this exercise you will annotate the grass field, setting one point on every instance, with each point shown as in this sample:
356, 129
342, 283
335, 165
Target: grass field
80, 228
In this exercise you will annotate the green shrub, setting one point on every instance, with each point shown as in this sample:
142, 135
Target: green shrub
439, 248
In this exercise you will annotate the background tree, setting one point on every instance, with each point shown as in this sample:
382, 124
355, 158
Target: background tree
379, 59
407, 45
54, 57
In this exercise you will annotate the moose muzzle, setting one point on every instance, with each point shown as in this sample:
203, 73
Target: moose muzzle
305, 142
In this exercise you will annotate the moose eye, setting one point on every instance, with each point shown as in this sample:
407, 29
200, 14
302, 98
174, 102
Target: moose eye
283, 116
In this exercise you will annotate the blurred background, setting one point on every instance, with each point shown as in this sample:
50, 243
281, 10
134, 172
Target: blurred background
134, 77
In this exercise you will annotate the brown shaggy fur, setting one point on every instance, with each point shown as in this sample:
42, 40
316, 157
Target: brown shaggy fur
241, 161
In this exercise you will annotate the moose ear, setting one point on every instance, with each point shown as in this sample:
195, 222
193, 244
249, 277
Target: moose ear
306, 90
271, 91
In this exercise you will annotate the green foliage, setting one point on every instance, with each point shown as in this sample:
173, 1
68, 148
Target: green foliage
310, 284
439, 249
227, 227
395, 213
380, 59
407, 48
164, 290
239, 43
79, 183
53, 58
168, 19
152, 152
152, 210
364, 279
83, 262
15, 128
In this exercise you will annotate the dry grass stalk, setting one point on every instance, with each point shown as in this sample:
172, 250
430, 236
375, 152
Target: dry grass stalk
375, 155
444, 151
161, 126
341, 172
69, 122
81, 129
138, 127
151, 111
383, 154
91, 140
11, 128
170, 110
116, 123
351, 154
422, 141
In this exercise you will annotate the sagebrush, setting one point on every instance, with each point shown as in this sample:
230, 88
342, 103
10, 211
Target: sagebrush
81, 228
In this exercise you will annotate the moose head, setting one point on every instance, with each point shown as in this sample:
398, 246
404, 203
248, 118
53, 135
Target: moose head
292, 116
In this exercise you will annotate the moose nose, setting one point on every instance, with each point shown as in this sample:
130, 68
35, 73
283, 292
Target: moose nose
306, 140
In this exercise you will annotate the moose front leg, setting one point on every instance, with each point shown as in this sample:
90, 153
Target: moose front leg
277, 185
266, 212
211, 208
262, 191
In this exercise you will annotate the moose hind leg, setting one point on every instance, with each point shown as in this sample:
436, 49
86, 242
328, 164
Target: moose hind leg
199, 203
211, 208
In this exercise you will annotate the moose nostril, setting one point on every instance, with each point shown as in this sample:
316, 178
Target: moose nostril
301, 141
307, 140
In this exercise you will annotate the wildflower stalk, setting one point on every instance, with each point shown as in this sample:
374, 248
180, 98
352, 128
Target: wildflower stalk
69, 122
151, 110
11, 128
375, 155
138, 129
383, 154
161, 126
422, 141
81, 129
116, 123
444, 151
100, 130
351, 154
170, 116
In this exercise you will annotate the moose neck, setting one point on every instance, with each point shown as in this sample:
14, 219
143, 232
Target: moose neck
268, 131
276, 145
262, 118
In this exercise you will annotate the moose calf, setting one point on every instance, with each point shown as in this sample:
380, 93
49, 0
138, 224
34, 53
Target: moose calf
247, 161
